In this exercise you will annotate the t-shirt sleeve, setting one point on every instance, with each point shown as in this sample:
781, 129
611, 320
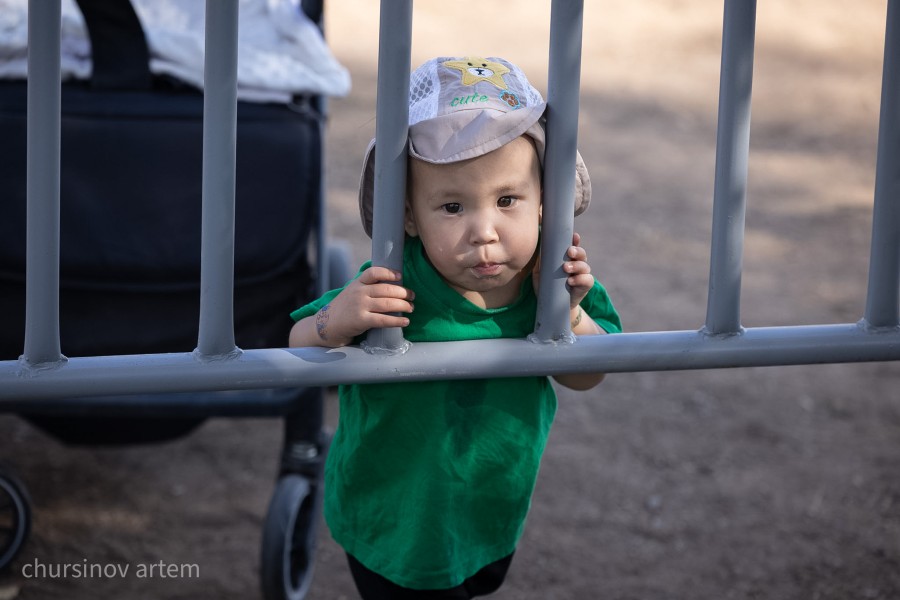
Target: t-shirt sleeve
600, 308
314, 306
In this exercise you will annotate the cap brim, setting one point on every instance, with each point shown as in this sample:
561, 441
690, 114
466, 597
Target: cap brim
466, 134
367, 189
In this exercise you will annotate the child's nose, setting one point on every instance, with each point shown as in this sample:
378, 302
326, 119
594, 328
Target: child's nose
483, 231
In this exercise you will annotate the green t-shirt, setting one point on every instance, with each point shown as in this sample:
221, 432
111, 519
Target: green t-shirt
428, 482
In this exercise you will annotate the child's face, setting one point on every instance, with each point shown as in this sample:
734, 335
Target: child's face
478, 220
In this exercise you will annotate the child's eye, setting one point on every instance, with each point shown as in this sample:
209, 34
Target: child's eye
506, 201
452, 207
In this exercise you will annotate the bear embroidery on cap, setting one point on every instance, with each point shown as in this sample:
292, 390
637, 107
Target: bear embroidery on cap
475, 69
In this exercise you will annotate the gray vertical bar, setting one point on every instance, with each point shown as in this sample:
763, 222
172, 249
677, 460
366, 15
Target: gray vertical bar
391, 132
42, 176
216, 336
323, 283
732, 150
563, 85
883, 296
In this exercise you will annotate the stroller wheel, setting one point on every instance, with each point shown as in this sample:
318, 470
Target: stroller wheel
288, 542
15, 517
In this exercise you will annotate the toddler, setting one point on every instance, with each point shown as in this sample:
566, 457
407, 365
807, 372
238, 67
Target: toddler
428, 484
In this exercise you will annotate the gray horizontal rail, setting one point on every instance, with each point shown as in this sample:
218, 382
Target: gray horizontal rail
274, 368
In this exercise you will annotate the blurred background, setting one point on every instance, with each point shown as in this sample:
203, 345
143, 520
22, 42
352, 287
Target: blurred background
778, 482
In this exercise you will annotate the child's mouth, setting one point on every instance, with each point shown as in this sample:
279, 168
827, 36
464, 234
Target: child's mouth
487, 269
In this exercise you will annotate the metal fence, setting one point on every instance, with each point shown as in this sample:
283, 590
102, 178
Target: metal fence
43, 373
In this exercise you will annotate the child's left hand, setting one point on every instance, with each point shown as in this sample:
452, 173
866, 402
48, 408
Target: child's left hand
579, 280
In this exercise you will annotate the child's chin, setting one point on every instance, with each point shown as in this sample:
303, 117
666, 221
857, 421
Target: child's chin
495, 282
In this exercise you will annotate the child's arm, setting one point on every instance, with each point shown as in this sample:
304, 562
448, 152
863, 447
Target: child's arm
579, 283
366, 302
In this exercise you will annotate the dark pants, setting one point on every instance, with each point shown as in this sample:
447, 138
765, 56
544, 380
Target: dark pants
373, 586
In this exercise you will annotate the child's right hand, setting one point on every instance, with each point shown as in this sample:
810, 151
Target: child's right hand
365, 303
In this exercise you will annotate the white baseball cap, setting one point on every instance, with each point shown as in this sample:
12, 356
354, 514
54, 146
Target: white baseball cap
462, 108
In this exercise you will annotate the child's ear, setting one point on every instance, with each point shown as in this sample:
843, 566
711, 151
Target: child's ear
409, 223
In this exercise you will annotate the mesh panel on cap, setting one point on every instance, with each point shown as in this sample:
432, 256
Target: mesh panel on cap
423, 92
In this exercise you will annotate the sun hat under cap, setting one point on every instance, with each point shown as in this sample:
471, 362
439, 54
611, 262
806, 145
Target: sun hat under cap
462, 108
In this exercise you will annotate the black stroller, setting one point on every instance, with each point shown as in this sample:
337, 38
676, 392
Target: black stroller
130, 227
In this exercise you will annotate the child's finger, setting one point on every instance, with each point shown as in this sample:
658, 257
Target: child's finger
576, 253
388, 320
378, 274
581, 281
576, 267
390, 305
389, 290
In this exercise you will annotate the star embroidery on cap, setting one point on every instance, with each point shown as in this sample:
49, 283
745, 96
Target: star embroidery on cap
475, 69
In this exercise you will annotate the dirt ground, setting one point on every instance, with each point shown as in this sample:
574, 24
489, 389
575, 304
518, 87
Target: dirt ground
779, 483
